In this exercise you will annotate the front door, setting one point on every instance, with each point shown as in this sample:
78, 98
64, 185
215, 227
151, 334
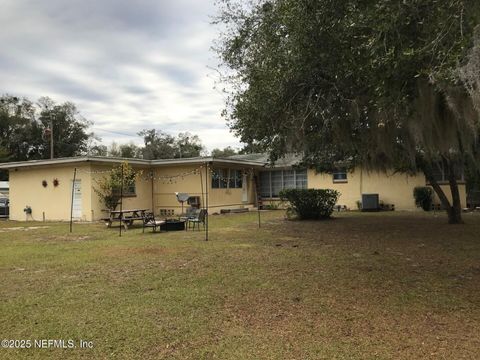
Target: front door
244, 189
77, 199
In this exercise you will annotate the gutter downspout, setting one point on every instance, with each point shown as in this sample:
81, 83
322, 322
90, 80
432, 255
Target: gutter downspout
361, 182
153, 196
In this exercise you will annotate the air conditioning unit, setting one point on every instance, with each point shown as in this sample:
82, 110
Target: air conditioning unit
370, 202
194, 201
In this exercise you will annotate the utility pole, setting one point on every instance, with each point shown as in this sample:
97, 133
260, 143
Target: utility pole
51, 135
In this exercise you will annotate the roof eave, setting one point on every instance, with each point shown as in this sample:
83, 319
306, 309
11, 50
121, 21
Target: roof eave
110, 160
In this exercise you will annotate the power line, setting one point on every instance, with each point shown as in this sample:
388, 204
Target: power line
115, 132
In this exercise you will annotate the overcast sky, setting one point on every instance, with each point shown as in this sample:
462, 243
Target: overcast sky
128, 65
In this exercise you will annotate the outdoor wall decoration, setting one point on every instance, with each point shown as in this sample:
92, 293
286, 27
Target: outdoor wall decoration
44, 183
56, 182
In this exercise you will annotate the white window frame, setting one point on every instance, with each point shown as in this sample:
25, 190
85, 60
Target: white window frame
269, 172
343, 173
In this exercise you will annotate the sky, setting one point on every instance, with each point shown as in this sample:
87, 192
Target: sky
128, 65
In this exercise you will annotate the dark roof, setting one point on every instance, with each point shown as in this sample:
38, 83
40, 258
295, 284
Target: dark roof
110, 160
286, 161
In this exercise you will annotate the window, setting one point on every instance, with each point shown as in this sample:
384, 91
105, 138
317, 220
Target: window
223, 178
235, 179
340, 176
277, 182
273, 181
265, 184
219, 179
441, 176
289, 179
194, 201
128, 190
438, 173
301, 179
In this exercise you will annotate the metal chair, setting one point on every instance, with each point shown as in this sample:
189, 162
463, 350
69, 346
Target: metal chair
150, 221
200, 219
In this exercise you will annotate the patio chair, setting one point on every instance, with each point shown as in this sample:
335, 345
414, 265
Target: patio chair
150, 221
199, 219
191, 213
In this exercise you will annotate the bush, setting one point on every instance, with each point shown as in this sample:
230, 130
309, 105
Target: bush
311, 203
423, 197
108, 187
271, 206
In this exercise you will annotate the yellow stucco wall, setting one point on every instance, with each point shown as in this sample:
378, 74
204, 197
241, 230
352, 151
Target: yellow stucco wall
55, 202
141, 200
392, 188
226, 198
194, 184
164, 187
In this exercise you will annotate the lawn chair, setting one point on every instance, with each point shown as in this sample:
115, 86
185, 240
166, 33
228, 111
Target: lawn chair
197, 220
150, 221
191, 213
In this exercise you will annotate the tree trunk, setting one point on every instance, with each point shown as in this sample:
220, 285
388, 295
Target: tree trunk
454, 210
455, 213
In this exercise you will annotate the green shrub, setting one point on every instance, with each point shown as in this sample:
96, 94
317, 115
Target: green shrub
311, 203
423, 197
271, 206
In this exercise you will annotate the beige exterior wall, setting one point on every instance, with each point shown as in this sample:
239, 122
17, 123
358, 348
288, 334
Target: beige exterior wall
159, 193
141, 200
55, 202
164, 188
394, 189
225, 198
194, 184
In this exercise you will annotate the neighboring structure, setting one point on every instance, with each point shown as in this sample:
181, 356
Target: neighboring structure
46, 185
4, 189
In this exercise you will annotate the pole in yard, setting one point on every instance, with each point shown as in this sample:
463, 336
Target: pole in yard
255, 183
121, 205
201, 187
73, 192
153, 192
206, 201
258, 201
51, 135
259, 222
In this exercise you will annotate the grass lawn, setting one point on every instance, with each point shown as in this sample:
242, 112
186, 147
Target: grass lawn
361, 286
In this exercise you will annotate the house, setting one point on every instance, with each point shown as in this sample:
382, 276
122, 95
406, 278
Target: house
45, 186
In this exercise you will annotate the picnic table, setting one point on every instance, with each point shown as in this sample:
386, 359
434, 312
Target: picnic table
126, 217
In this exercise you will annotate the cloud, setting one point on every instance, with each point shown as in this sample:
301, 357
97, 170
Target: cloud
128, 65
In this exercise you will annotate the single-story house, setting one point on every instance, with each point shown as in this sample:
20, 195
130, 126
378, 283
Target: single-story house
239, 181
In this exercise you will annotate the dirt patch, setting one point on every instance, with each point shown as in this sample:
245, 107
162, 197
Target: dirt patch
126, 251
23, 228
67, 238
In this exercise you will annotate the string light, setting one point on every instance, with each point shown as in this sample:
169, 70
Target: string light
94, 172
172, 179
